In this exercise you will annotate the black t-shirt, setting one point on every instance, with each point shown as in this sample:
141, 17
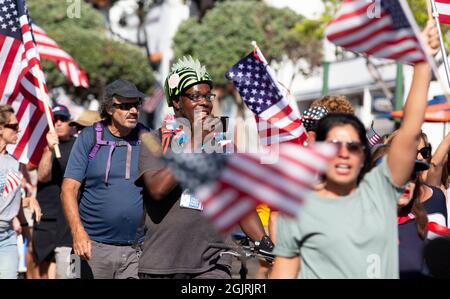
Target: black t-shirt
411, 245
48, 194
176, 239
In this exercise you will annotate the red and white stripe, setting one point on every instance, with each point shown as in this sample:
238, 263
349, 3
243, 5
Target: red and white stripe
355, 29
50, 50
282, 127
374, 139
279, 123
19, 87
12, 182
16, 58
29, 110
437, 225
443, 9
246, 182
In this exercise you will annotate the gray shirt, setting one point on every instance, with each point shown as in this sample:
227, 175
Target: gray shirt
176, 238
10, 202
354, 236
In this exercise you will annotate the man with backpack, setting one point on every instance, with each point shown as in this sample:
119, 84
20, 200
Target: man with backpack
103, 167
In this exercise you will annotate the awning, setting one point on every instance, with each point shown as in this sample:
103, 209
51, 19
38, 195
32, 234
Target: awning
433, 113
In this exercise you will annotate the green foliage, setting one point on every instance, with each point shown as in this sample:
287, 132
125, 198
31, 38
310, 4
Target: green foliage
225, 34
55, 12
86, 41
420, 11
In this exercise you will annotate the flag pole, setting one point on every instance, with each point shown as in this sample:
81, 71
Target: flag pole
435, 15
424, 47
266, 65
42, 95
429, 9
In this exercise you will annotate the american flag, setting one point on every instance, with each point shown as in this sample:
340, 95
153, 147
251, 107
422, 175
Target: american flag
231, 186
443, 9
19, 84
358, 28
9, 182
372, 136
50, 50
276, 120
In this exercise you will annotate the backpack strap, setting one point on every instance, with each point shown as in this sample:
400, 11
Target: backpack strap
98, 140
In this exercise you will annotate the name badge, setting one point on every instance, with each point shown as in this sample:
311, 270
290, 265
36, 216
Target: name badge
189, 201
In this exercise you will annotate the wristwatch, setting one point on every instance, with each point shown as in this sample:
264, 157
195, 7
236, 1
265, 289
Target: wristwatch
265, 245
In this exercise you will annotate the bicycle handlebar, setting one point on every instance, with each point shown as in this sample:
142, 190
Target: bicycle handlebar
222, 246
244, 251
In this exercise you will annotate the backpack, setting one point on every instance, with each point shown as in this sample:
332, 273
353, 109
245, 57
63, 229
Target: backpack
99, 141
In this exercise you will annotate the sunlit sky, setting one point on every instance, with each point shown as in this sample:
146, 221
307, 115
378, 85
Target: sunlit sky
308, 8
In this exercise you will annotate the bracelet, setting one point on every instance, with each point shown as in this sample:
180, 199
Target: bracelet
24, 224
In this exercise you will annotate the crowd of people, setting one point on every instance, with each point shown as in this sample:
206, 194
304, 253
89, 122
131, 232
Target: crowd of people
109, 208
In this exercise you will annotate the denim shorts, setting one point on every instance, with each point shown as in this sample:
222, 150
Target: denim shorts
9, 255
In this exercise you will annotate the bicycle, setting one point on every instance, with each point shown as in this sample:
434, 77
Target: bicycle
243, 248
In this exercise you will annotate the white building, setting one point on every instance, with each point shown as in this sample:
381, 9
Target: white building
350, 77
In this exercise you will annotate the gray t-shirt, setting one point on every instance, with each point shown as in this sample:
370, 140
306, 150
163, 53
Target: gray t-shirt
10, 202
176, 238
354, 236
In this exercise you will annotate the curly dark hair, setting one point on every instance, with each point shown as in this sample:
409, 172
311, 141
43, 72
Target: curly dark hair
106, 105
335, 104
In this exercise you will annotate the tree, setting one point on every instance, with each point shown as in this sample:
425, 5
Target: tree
224, 34
85, 39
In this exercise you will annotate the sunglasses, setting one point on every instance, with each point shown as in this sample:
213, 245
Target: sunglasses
352, 146
127, 106
61, 118
425, 151
14, 127
198, 97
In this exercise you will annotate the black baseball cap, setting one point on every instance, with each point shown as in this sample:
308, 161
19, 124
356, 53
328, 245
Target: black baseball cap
124, 88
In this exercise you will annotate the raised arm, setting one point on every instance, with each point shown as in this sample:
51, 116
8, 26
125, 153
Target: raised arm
438, 163
403, 150
46, 162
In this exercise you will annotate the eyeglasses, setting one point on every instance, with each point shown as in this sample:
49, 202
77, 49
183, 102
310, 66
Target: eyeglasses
197, 97
352, 146
425, 151
14, 127
61, 118
127, 106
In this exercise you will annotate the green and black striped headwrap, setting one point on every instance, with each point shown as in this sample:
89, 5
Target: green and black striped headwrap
185, 73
